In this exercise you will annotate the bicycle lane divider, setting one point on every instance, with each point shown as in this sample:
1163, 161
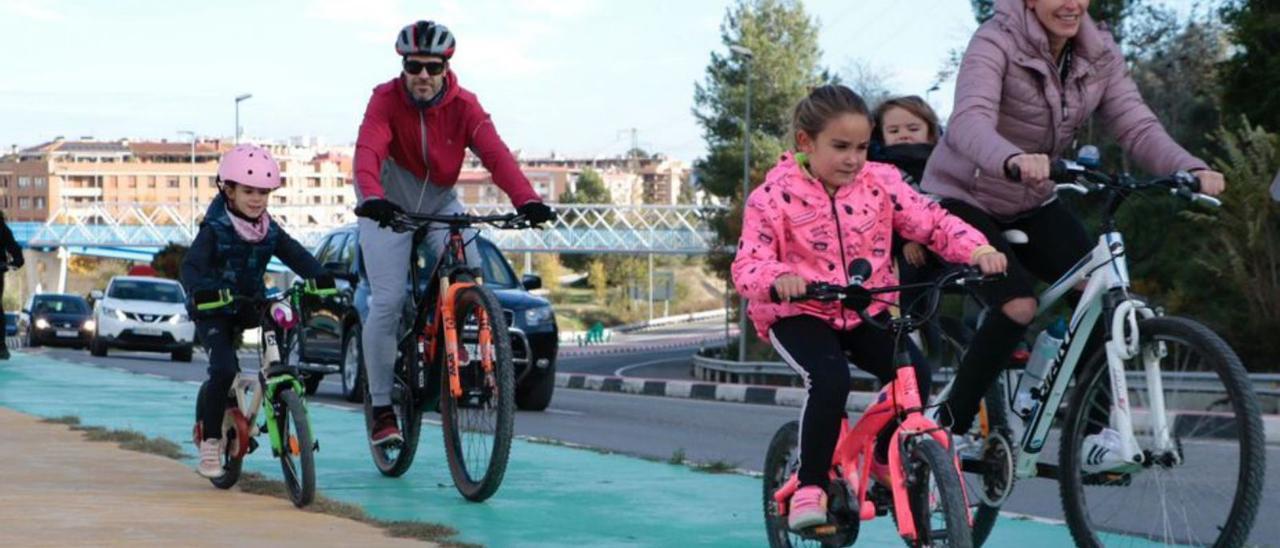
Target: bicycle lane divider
550, 496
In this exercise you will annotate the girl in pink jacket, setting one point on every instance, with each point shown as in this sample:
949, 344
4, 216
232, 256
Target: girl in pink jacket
819, 209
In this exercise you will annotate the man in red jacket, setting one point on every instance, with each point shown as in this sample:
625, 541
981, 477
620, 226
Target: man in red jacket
415, 133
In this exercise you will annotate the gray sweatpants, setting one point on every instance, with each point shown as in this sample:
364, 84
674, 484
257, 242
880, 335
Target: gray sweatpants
387, 260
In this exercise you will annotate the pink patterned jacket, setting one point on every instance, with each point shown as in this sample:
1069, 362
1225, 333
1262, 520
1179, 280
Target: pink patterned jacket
793, 226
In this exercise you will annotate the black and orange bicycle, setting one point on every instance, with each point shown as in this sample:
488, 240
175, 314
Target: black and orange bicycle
454, 355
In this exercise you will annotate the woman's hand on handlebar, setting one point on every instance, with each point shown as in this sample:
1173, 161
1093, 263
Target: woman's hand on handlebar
991, 262
789, 286
1028, 168
1211, 182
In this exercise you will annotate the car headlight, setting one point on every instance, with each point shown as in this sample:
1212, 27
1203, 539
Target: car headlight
42, 323
537, 315
119, 314
89, 325
178, 319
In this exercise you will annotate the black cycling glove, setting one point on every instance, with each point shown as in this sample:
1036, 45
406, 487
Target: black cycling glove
379, 210
536, 213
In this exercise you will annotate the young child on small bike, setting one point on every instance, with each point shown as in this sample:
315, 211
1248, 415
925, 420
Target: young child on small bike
229, 256
820, 208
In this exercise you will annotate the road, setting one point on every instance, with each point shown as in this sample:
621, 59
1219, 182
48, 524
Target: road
702, 431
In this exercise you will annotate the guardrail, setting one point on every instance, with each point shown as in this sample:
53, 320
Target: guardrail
706, 368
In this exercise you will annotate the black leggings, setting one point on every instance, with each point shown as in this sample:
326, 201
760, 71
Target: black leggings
821, 355
218, 335
1057, 241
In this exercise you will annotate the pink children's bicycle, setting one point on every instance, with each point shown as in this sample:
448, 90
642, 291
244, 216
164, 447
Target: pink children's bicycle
924, 493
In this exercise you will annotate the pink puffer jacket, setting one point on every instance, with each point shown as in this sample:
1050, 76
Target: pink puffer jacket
1010, 99
793, 226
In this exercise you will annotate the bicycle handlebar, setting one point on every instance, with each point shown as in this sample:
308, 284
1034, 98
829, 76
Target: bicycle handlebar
408, 222
1078, 178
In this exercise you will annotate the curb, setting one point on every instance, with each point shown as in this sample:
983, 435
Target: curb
582, 351
755, 394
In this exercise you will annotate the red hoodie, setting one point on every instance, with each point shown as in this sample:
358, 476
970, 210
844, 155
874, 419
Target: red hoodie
431, 142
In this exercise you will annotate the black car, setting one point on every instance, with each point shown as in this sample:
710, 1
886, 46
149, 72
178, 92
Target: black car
58, 319
330, 341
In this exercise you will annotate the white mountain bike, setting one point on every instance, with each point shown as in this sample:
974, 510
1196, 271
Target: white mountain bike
1161, 438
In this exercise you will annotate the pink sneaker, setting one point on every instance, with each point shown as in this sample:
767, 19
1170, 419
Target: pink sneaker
808, 508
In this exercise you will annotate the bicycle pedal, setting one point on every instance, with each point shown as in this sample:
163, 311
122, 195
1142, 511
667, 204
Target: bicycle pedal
253, 444
823, 530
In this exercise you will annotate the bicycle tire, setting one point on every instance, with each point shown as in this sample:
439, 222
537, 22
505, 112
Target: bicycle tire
393, 460
1244, 421
496, 395
925, 458
984, 515
299, 478
781, 461
230, 466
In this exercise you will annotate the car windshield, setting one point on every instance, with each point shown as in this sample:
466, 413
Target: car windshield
60, 305
146, 291
496, 272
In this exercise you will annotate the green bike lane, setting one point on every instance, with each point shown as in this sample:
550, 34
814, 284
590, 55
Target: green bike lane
551, 495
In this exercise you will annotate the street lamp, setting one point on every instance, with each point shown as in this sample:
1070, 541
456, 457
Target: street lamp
195, 188
239, 98
747, 55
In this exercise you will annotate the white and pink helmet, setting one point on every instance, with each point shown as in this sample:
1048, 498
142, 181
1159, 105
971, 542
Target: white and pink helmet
250, 165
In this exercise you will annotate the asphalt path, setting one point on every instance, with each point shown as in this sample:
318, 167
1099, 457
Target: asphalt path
721, 432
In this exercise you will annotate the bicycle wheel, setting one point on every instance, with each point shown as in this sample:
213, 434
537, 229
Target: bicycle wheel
781, 461
1207, 489
297, 451
394, 459
230, 465
935, 496
478, 426
997, 420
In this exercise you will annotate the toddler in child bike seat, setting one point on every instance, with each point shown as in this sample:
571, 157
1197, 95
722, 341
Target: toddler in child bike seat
820, 208
229, 256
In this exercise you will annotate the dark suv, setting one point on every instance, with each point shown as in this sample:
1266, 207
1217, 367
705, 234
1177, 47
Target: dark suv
331, 330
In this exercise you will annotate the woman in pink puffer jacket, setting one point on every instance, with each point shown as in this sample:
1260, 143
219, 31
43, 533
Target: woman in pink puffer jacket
817, 210
1031, 78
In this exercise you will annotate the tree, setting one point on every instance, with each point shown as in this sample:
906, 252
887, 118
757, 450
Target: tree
549, 269
588, 189
1238, 287
168, 261
784, 41
1252, 75
1110, 11
599, 281
869, 81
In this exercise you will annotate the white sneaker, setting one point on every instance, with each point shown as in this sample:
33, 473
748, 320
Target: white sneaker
1101, 452
210, 459
968, 446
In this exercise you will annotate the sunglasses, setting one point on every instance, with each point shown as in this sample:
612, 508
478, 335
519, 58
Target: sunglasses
434, 68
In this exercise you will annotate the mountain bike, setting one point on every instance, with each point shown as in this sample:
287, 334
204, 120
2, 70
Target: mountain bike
453, 355
1161, 437
274, 390
924, 492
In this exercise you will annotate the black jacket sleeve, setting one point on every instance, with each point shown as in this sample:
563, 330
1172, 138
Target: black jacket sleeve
10, 246
296, 257
197, 265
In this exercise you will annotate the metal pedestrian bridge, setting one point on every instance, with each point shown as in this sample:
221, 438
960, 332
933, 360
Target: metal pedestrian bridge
593, 229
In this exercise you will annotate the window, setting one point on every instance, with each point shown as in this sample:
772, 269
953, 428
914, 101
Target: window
497, 273
349, 252
315, 199
334, 250
322, 248
146, 291
151, 182
4, 182
24, 203
173, 182
40, 182
59, 305
40, 202
24, 182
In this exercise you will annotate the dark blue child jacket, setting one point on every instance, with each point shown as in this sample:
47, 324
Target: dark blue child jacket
220, 259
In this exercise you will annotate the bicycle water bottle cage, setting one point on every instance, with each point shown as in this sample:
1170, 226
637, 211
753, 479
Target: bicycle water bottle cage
210, 299
320, 289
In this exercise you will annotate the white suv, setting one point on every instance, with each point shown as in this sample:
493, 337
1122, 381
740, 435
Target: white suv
142, 313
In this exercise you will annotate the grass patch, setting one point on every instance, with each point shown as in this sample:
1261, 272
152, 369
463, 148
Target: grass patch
715, 467
257, 484
677, 457
69, 420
